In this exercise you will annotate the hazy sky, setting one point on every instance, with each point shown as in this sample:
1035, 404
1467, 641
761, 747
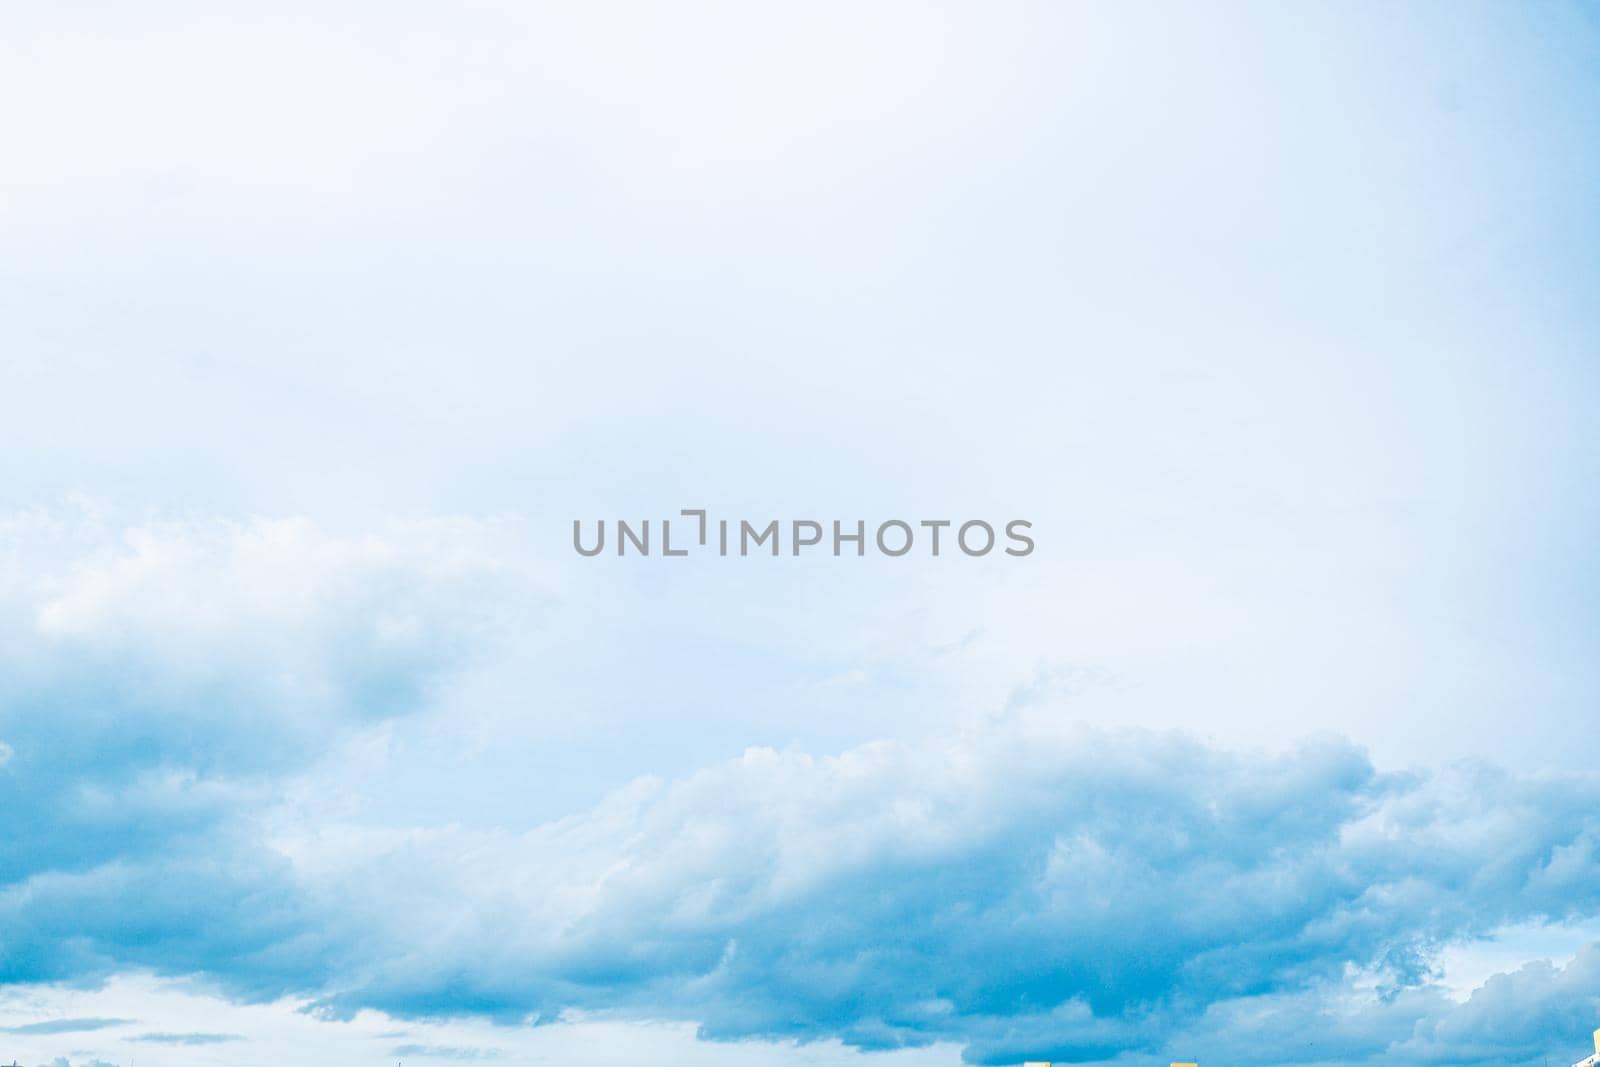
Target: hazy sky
319, 324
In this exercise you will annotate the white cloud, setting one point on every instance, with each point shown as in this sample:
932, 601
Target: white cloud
1023, 882
273, 625
161, 682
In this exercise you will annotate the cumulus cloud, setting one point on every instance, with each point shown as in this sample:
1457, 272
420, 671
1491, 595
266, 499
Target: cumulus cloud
1023, 890
1534, 1015
157, 683
230, 645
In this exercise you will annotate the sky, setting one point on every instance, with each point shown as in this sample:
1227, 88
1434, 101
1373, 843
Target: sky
321, 324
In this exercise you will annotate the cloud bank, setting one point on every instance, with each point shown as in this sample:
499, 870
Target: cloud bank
1025, 889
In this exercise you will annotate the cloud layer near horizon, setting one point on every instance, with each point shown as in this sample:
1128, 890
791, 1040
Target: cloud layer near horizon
1024, 889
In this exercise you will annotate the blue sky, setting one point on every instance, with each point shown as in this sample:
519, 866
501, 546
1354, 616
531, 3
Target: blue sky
320, 325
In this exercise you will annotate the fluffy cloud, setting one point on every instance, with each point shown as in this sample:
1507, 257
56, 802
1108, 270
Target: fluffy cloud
1026, 889
159, 680
1532, 1016
228, 646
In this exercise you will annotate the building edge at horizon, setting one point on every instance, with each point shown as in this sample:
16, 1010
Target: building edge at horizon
1592, 1061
